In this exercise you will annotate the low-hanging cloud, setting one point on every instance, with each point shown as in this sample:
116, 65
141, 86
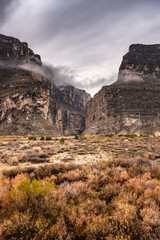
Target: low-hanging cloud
127, 76
61, 75
64, 76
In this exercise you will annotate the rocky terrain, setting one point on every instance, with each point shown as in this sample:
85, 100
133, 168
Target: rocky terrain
31, 103
132, 103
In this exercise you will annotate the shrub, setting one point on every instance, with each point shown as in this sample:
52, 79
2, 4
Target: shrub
76, 137
114, 199
42, 138
128, 135
62, 140
27, 196
109, 135
48, 138
22, 226
32, 138
145, 136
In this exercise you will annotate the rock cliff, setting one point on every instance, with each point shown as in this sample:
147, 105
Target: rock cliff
12, 51
132, 103
30, 103
70, 108
141, 63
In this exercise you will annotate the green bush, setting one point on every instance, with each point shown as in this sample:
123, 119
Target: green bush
62, 140
144, 136
42, 138
76, 137
128, 135
32, 138
48, 138
108, 135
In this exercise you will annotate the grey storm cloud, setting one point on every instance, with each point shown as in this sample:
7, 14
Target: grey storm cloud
6, 7
89, 36
76, 16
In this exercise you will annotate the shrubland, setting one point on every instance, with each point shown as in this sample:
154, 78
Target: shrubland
114, 199
82, 202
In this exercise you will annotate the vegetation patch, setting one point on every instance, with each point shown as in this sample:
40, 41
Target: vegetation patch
115, 198
48, 138
62, 140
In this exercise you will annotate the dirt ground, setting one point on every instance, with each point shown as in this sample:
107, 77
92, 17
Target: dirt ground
23, 153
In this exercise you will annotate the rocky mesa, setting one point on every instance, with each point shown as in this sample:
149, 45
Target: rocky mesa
131, 105
31, 103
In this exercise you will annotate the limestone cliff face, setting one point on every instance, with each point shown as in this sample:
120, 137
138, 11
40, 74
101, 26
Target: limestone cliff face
68, 105
29, 103
142, 62
16, 52
24, 104
131, 104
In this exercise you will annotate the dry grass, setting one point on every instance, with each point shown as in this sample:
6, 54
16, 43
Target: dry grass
87, 188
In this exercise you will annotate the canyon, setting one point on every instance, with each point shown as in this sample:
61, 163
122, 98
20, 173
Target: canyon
31, 102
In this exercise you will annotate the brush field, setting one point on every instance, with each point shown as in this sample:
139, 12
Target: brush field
82, 187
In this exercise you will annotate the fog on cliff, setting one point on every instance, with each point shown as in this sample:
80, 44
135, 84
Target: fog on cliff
88, 36
60, 75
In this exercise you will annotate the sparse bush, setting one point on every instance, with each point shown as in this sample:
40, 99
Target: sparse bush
145, 136
13, 161
62, 140
76, 137
32, 138
37, 149
27, 196
128, 135
109, 135
22, 226
48, 138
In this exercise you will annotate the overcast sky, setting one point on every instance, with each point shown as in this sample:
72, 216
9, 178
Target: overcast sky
88, 36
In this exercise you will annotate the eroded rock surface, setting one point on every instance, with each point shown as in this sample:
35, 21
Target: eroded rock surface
131, 104
30, 103
70, 106
14, 51
141, 63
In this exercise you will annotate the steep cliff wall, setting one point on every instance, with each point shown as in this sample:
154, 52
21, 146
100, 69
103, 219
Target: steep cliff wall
24, 104
31, 104
142, 62
131, 104
70, 108
12, 51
